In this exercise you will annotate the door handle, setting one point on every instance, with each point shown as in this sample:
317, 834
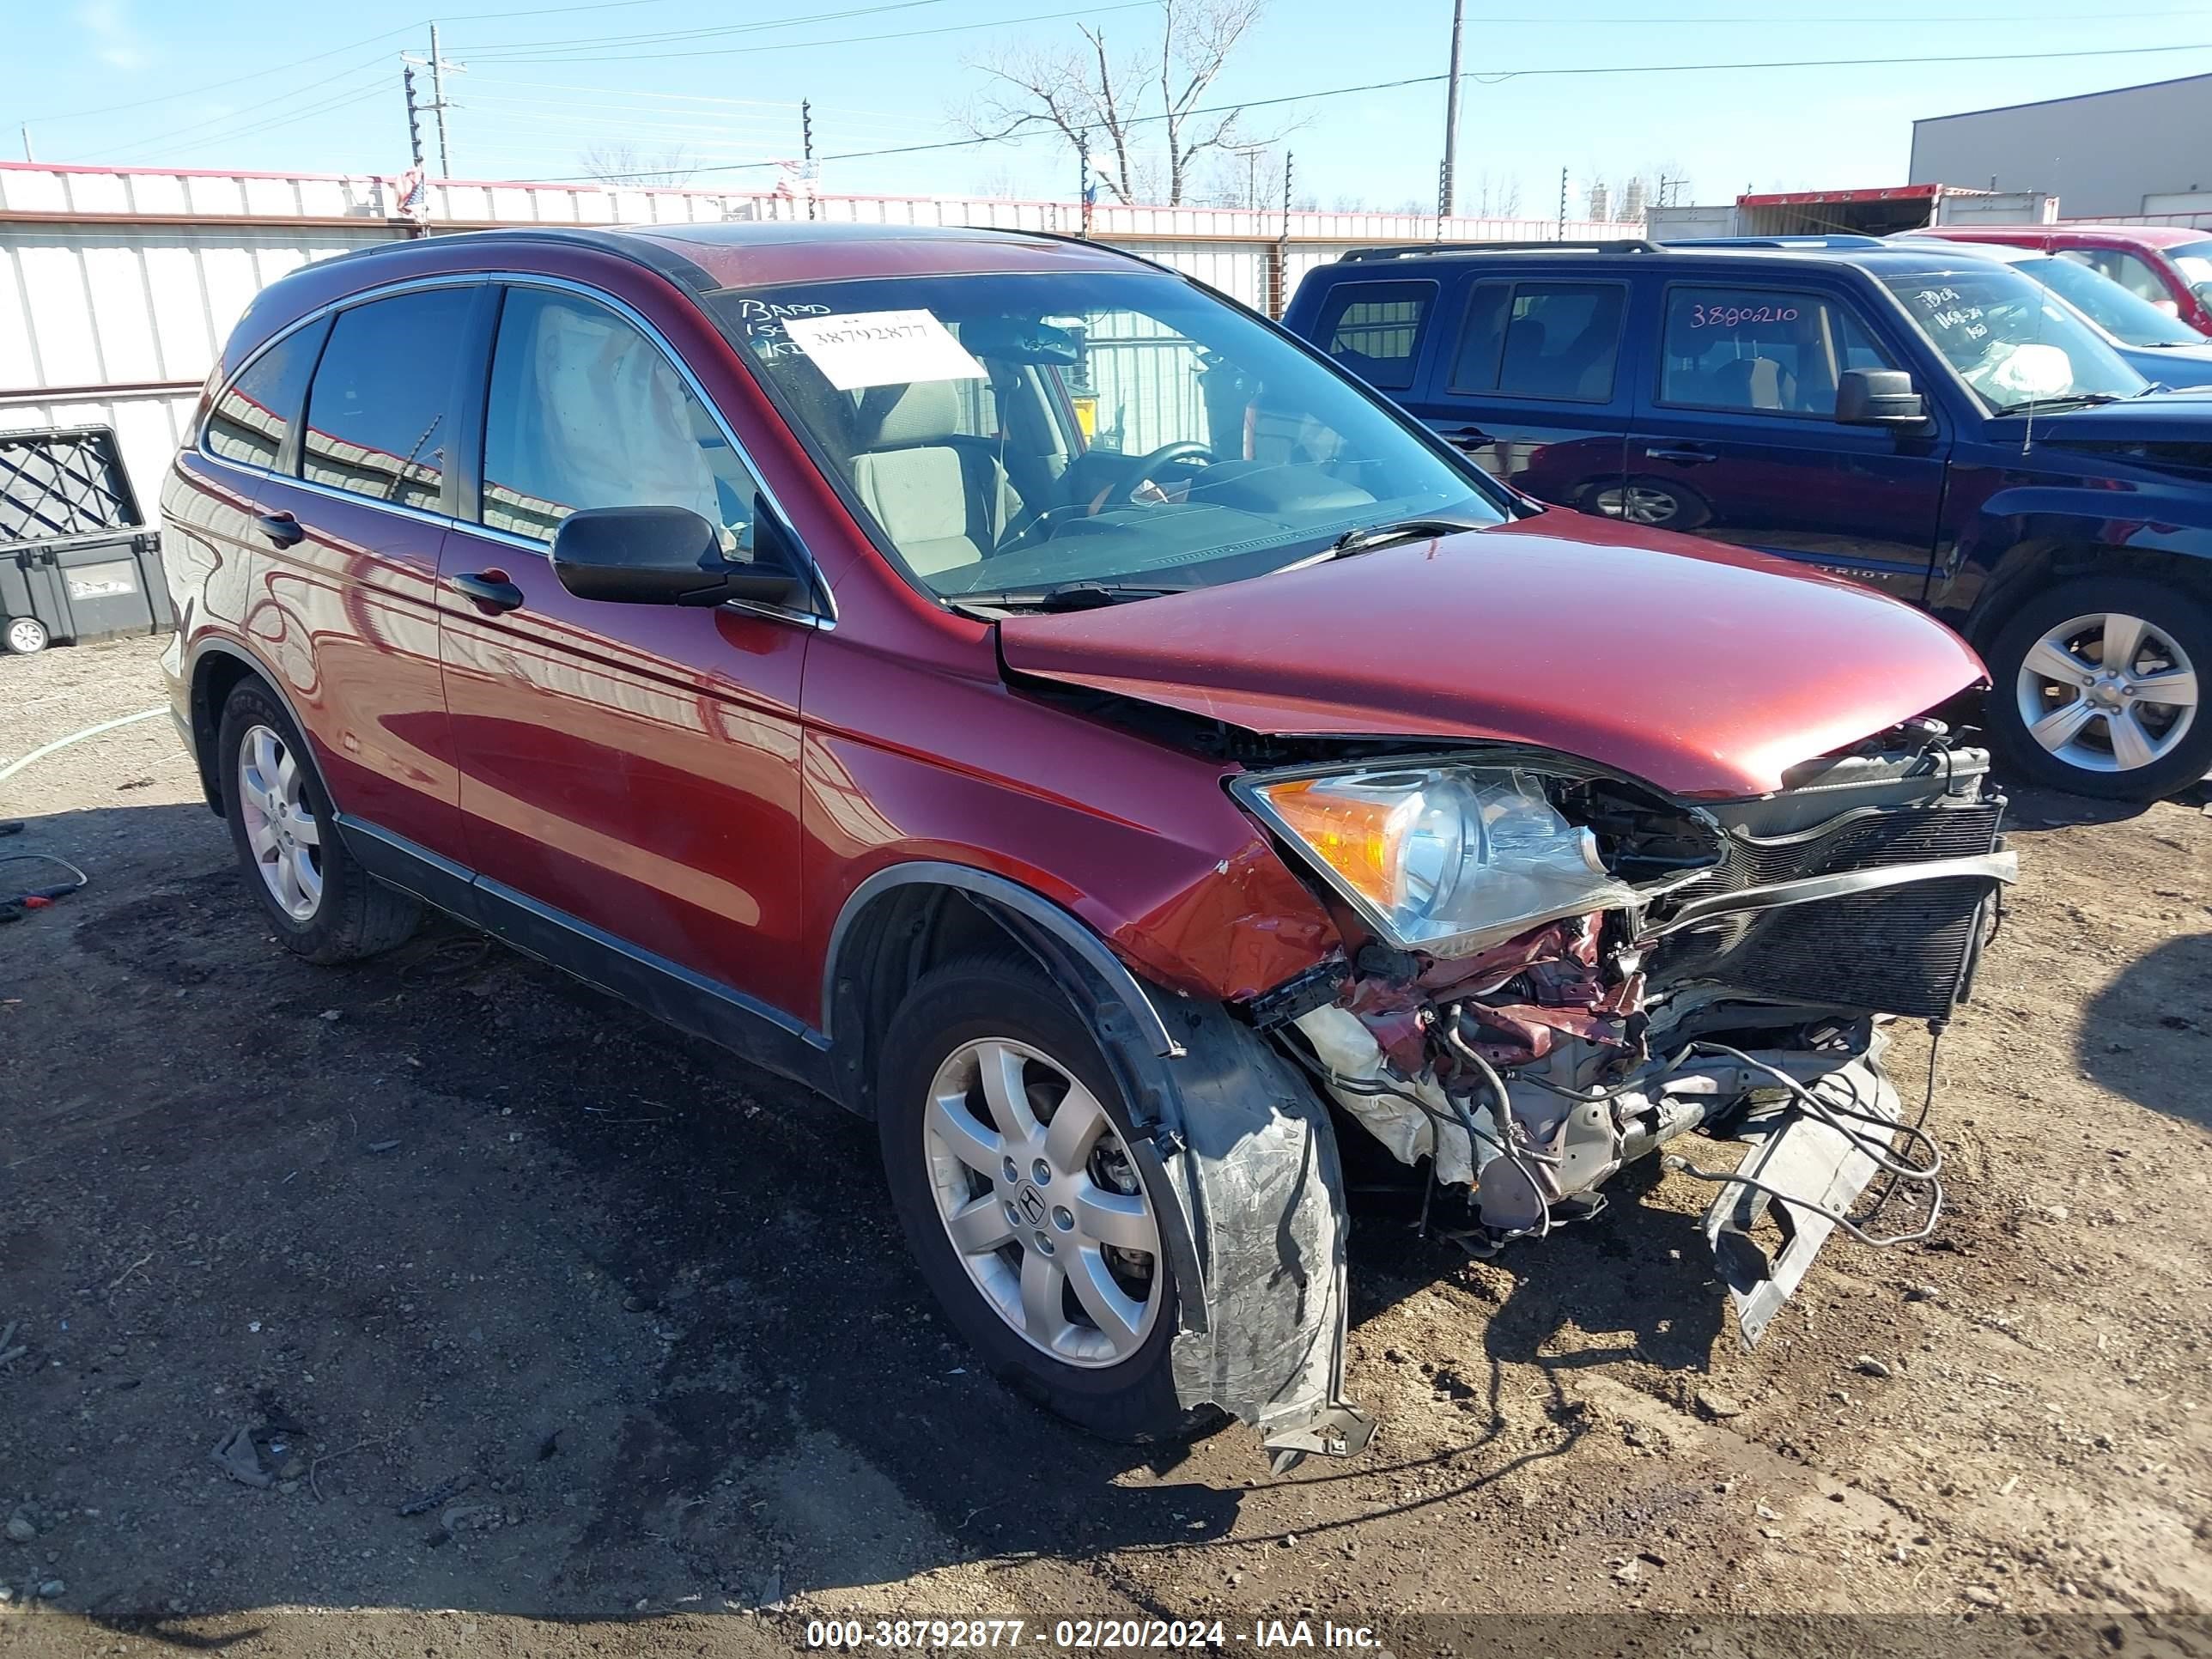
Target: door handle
1465, 434
281, 528
1684, 456
488, 588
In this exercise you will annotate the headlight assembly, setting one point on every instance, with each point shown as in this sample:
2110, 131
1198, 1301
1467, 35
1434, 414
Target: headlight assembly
1444, 859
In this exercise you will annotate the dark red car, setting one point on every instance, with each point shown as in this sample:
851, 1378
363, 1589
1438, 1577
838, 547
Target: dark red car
1046, 709
2168, 265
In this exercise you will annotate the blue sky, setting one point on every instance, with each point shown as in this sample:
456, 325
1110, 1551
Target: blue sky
138, 82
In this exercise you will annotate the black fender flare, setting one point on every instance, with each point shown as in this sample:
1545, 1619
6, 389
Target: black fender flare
1246, 1149
211, 785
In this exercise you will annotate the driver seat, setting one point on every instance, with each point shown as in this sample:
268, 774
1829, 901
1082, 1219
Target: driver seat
944, 502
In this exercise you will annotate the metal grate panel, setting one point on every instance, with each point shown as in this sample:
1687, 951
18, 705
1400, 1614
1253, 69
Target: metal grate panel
60, 484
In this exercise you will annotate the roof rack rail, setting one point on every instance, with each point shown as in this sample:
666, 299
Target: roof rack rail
1809, 240
1415, 250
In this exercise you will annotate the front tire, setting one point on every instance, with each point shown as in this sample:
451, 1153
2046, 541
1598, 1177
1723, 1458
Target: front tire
24, 636
1005, 1146
2095, 687
323, 906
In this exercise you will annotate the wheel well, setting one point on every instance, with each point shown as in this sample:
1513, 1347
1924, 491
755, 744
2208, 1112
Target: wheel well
2027, 571
899, 935
214, 678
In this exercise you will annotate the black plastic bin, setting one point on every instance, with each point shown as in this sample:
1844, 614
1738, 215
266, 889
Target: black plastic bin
76, 561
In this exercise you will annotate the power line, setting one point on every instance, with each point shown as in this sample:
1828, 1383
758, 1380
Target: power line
842, 40
1489, 77
344, 101
254, 115
581, 44
218, 86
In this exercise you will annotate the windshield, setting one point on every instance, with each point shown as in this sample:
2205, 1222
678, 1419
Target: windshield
2010, 341
1014, 433
2194, 261
2126, 317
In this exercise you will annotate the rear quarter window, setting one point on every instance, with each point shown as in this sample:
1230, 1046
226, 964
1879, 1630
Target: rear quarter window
1375, 329
255, 413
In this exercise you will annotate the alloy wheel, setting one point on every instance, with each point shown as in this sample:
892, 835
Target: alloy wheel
2107, 692
1638, 504
280, 826
1042, 1202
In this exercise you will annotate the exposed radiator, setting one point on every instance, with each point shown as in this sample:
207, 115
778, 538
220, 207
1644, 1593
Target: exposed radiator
1902, 950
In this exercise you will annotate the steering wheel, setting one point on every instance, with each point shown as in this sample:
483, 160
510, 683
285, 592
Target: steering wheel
1143, 467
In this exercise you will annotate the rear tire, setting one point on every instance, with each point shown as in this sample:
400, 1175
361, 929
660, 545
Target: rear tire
968, 1033
24, 636
323, 906
2065, 718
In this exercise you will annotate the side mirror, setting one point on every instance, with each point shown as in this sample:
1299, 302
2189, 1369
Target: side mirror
669, 555
1879, 397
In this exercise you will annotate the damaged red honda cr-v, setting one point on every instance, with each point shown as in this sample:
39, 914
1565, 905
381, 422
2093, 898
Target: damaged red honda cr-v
1046, 709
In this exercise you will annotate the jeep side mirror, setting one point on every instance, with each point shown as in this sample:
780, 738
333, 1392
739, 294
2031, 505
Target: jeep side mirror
670, 556
1879, 397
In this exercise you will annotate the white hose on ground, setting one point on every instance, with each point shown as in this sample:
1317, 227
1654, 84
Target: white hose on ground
41, 753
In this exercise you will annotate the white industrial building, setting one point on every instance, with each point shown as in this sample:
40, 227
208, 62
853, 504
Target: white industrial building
2134, 152
118, 285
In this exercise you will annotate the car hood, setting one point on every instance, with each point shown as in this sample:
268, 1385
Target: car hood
2184, 415
1699, 669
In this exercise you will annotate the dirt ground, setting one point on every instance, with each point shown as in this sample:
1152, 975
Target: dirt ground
447, 1217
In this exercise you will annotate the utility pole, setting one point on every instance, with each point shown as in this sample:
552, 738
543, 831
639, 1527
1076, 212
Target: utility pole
1283, 246
1563, 204
28, 156
414, 122
438, 94
1444, 183
806, 150
1082, 177
438, 104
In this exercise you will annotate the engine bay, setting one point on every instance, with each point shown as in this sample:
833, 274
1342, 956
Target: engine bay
1739, 987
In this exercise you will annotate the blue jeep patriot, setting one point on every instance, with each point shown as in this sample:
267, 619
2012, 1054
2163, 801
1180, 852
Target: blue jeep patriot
1914, 417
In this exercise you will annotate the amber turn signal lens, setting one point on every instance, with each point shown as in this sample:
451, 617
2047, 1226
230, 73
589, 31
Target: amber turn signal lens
1355, 836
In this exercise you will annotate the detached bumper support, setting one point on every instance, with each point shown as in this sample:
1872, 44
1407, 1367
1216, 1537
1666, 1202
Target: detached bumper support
1799, 1156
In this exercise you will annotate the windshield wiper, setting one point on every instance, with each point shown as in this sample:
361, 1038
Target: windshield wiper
2071, 400
1084, 595
1368, 538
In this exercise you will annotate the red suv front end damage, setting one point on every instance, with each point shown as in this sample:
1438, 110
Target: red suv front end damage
1590, 926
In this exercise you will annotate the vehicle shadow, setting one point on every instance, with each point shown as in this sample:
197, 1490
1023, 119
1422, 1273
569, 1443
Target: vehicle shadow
533, 1306
2148, 1033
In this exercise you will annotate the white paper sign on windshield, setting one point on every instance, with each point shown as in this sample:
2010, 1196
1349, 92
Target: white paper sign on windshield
861, 349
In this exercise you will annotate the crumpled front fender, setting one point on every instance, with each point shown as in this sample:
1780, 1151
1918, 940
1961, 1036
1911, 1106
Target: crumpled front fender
1252, 1159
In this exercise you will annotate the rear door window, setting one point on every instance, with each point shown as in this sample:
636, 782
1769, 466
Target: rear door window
1771, 351
1374, 329
1551, 340
250, 419
378, 420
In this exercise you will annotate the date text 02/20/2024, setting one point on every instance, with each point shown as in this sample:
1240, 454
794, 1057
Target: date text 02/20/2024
1088, 1635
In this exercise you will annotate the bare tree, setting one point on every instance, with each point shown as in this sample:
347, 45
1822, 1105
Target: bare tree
1091, 95
1491, 195
622, 162
1196, 41
1250, 176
